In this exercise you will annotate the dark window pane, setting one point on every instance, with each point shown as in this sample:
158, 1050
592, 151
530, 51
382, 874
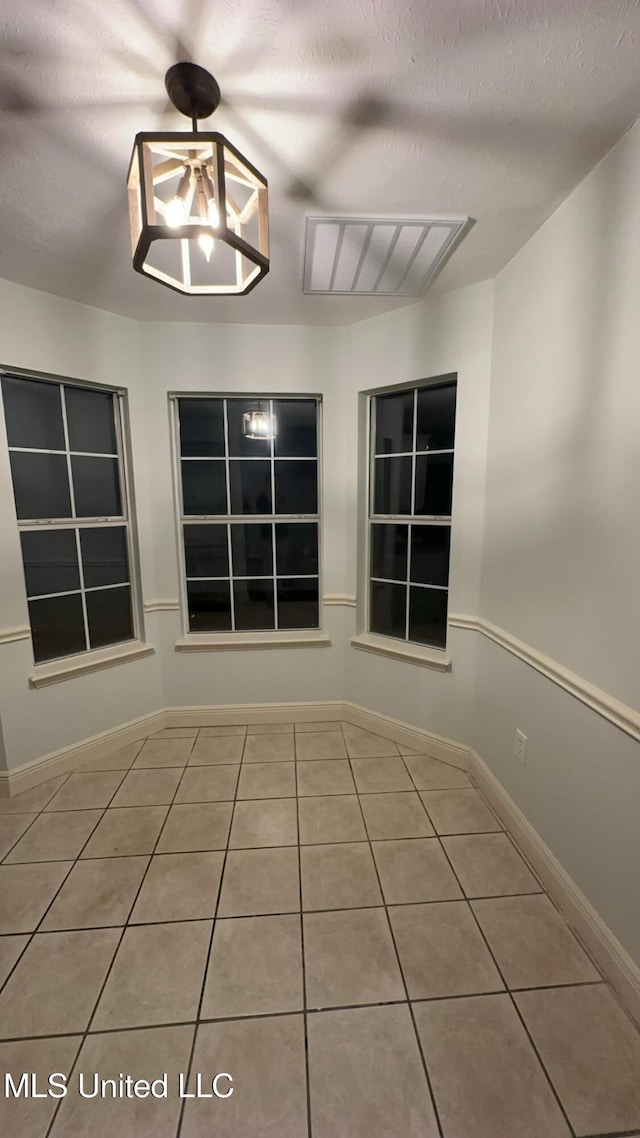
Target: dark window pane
250, 487
206, 551
90, 420
392, 491
296, 547
388, 609
209, 606
96, 487
298, 604
109, 616
436, 417
296, 428
430, 554
434, 484
50, 561
394, 423
40, 485
389, 552
105, 559
33, 413
239, 445
296, 487
428, 617
201, 428
57, 627
253, 605
252, 551
204, 488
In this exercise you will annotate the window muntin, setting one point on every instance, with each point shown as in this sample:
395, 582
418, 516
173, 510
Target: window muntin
249, 515
67, 465
412, 436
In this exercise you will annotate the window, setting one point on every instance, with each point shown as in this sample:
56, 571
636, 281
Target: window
411, 482
65, 450
249, 514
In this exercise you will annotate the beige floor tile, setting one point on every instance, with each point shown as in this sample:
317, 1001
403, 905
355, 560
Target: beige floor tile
26, 891
88, 791
380, 775
366, 1076
126, 832
269, 748
34, 800
145, 1054
55, 985
267, 1059
397, 815
339, 877
119, 760
459, 812
321, 778
269, 728
431, 774
176, 733
272, 822
260, 881
485, 1075
12, 827
336, 818
267, 780
148, 787
179, 887
489, 865
97, 893
30, 1117
255, 968
532, 942
441, 951
208, 784
591, 1050
407, 750
10, 949
213, 750
350, 959
323, 725
165, 752
320, 745
56, 836
196, 826
413, 870
156, 976
364, 744
218, 732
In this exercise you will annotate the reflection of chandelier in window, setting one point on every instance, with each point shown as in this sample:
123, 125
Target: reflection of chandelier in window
198, 209
259, 424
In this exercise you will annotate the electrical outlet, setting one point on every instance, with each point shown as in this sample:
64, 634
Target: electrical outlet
520, 747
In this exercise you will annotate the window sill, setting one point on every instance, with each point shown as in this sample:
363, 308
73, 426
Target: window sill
239, 641
411, 653
72, 666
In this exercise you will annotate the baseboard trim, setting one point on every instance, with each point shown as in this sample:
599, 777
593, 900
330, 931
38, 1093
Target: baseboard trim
424, 742
620, 970
202, 716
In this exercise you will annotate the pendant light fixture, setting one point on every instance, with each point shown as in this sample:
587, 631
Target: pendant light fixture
198, 208
259, 424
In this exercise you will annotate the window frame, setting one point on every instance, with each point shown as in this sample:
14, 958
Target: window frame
84, 659
242, 637
414, 650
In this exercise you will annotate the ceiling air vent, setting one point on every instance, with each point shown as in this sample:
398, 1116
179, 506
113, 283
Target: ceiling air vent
367, 256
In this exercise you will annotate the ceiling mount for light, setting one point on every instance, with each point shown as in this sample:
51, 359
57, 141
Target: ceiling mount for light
198, 209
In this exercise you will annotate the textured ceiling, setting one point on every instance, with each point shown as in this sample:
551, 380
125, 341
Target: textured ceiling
492, 108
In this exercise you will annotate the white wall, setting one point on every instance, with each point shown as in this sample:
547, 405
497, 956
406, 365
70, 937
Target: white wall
561, 562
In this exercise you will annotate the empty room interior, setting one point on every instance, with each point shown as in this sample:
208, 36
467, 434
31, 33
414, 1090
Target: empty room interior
319, 569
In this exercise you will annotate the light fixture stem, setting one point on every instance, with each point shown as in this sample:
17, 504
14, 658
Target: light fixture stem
194, 124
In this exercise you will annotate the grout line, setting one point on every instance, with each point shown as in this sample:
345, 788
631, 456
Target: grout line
303, 960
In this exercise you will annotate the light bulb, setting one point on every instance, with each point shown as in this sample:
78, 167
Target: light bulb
174, 212
214, 216
206, 243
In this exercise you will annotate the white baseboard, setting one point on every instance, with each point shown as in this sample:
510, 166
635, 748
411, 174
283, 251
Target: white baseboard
320, 712
68, 758
425, 742
620, 970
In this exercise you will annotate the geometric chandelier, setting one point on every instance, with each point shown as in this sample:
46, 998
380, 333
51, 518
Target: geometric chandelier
198, 209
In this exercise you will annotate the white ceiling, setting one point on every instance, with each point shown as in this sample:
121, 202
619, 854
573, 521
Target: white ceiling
492, 108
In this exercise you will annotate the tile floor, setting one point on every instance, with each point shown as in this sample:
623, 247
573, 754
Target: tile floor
345, 929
